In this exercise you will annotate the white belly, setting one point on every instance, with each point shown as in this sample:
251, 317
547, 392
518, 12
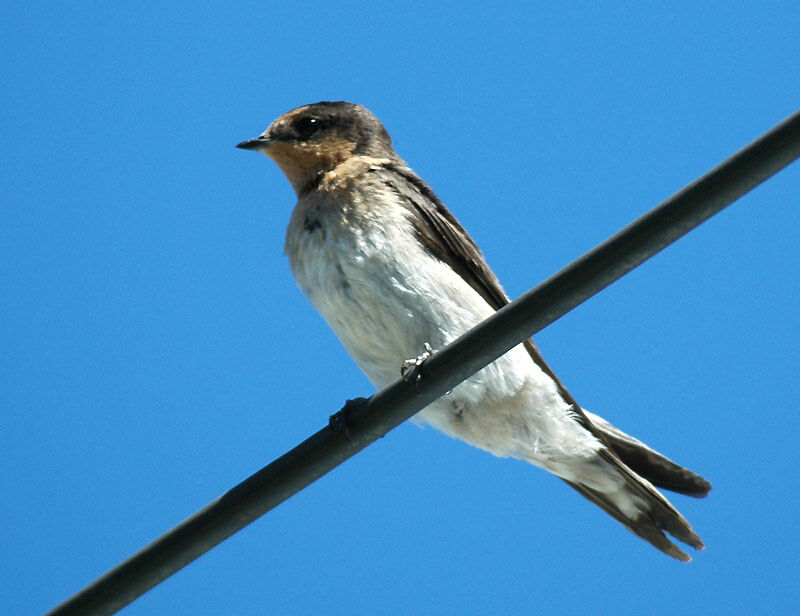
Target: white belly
385, 296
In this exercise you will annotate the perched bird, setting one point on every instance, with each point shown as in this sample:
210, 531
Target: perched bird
393, 272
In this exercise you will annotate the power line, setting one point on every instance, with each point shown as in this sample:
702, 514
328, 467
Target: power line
388, 408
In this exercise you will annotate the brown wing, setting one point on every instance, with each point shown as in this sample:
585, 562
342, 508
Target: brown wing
447, 240
439, 230
443, 235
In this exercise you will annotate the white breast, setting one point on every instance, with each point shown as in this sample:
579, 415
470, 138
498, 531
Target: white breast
356, 255
375, 284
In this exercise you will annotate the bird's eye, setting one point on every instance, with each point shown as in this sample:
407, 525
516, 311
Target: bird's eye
307, 126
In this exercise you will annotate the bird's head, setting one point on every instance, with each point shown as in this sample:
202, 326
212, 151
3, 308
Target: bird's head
313, 139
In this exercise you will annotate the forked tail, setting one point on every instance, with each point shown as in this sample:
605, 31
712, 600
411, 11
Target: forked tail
642, 509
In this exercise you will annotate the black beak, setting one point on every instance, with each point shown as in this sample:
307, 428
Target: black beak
255, 144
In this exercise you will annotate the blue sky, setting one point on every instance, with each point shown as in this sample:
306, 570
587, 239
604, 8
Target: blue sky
155, 350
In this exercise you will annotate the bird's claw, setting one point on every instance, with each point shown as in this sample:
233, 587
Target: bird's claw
411, 370
340, 421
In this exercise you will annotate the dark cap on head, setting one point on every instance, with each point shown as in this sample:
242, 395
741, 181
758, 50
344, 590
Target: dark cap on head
337, 120
342, 120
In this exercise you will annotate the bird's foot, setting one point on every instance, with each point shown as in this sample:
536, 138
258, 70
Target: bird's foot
411, 370
340, 421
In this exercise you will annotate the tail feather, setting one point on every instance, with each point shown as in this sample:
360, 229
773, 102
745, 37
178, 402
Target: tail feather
649, 514
648, 463
654, 514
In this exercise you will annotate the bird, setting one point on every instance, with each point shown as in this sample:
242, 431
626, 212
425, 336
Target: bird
395, 275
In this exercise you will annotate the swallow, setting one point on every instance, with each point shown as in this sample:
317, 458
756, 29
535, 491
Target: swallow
393, 272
